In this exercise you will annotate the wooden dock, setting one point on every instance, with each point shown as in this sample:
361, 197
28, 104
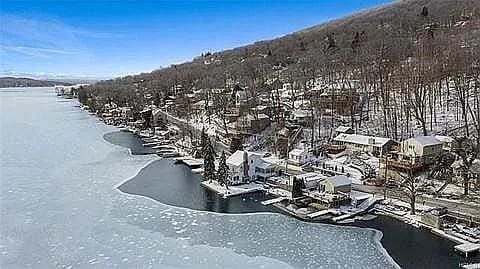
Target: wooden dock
471, 266
467, 248
274, 200
322, 212
191, 163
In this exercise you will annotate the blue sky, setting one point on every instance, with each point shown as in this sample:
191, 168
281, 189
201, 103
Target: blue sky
111, 38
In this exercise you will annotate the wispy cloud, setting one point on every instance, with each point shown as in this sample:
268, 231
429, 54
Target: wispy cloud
45, 37
39, 52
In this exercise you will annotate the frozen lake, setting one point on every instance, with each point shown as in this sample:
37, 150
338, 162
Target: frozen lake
60, 207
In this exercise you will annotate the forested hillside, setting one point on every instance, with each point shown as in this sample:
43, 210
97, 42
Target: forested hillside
412, 62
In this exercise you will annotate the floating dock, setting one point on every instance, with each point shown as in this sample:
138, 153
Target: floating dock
232, 190
471, 266
467, 248
191, 163
322, 212
274, 200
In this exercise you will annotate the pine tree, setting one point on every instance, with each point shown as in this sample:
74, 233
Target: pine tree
222, 174
208, 162
204, 140
297, 186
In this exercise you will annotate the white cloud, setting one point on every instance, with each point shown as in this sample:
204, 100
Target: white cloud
39, 52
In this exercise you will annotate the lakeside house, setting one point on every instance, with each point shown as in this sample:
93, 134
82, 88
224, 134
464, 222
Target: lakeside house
246, 166
336, 184
377, 146
329, 192
420, 149
299, 156
301, 117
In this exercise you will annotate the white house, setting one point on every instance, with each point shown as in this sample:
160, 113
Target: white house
299, 156
301, 116
241, 166
264, 170
424, 149
336, 184
377, 146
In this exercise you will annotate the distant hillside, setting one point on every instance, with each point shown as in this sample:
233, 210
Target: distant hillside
10, 82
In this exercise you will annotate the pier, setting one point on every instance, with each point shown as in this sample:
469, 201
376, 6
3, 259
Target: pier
232, 190
467, 248
191, 163
274, 200
471, 266
323, 212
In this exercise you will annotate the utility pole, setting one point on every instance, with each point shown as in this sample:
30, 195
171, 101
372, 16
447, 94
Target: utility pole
288, 149
386, 174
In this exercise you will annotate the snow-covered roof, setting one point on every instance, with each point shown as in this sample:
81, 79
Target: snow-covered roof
300, 113
444, 139
342, 129
237, 157
297, 152
427, 140
362, 139
310, 176
339, 180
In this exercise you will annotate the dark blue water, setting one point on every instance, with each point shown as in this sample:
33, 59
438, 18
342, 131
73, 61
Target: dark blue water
176, 185
128, 140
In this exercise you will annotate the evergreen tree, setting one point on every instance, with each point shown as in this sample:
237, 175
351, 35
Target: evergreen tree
204, 140
297, 186
222, 174
208, 162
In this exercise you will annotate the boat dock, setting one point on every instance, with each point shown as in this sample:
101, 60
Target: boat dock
232, 190
191, 163
362, 208
322, 212
274, 200
471, 266
467, 248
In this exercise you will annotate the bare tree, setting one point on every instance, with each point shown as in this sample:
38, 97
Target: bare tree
409, 188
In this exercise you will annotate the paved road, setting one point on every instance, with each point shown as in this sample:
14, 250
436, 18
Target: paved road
453, 206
